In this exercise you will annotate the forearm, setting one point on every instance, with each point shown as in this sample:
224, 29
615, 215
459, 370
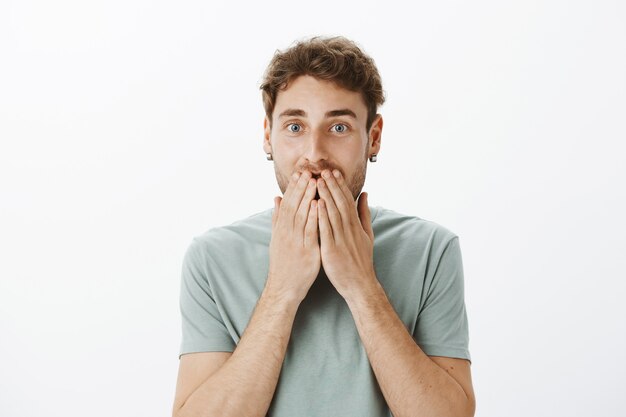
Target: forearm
412, 384
244, 385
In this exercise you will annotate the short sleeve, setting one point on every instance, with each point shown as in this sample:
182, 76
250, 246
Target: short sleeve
203, 329
442, 326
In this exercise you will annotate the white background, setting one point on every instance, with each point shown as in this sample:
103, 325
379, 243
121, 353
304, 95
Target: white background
128, 127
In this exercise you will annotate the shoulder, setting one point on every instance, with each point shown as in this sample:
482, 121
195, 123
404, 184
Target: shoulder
218, 240
411, 228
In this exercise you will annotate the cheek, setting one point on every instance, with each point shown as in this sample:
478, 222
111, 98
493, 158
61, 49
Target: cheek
288, 152
353, 164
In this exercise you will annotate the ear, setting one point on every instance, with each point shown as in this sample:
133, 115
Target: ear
374, 135
267, 145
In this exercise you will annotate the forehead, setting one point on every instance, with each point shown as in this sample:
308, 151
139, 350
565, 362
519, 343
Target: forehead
317, 97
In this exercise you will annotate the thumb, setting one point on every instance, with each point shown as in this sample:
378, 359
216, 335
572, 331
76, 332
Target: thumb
365, 216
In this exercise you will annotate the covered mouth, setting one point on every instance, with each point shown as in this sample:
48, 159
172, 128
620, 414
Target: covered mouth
317, 176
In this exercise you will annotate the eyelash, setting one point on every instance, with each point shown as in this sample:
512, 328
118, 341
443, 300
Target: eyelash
336, 124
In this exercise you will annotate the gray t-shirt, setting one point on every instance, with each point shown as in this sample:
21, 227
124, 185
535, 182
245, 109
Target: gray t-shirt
326, 371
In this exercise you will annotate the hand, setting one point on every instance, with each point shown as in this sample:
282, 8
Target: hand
347, 238
295, 258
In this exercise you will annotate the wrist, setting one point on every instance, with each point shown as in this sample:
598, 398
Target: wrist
284, 300
366, 291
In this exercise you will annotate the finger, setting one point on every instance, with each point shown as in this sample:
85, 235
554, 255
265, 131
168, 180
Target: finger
305, 204
365, 216
346, 208
326, 232
331, 209
293, 181
291, 202
343, 185
310, 231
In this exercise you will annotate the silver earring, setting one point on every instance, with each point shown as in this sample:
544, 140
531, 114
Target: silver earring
373, 158
269, 157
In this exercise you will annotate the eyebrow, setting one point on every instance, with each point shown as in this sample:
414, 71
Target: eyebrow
332, 113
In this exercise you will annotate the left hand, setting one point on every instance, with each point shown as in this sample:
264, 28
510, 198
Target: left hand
346, 235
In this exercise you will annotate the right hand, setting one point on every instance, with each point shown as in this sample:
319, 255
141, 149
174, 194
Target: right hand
295, 257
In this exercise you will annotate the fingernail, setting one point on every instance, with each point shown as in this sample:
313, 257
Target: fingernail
336, 173
296, 175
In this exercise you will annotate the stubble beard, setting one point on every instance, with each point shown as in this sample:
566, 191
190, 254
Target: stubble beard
355, 183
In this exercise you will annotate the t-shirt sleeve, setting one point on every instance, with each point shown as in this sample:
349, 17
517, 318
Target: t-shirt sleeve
442, 326
203, 329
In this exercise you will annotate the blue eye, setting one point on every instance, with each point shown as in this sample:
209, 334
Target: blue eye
295, 125
340, 128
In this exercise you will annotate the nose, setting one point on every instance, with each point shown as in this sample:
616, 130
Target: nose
316, 149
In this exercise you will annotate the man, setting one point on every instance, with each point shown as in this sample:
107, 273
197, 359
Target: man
323, 305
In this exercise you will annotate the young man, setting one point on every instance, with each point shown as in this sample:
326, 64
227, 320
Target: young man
323, 305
